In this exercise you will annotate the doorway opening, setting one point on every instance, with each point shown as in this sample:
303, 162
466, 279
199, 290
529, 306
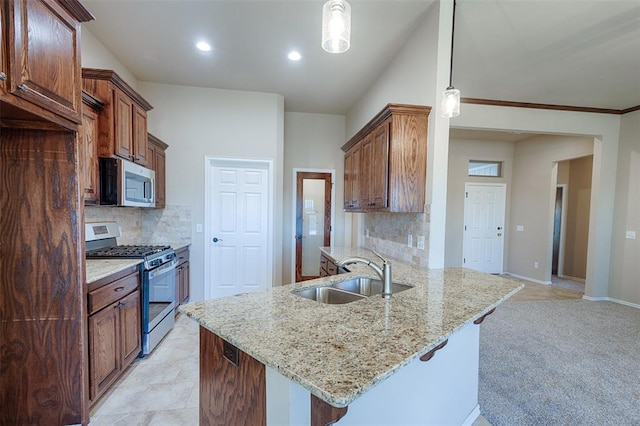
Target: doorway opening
313, 213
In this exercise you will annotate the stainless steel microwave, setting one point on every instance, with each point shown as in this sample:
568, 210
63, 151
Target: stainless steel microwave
123, 183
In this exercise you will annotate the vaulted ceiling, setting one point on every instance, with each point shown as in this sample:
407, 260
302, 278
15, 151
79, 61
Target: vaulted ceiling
565, 52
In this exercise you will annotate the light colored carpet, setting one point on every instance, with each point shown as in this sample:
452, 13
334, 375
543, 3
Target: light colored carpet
564, 362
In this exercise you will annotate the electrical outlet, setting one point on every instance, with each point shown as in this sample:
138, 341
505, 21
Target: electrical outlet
198, 227
367, 232
535, 265
520, 228
409, 240
631, 235
420, 244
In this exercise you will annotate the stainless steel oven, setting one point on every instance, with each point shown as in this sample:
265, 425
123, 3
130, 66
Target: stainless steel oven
158, 274
158, 303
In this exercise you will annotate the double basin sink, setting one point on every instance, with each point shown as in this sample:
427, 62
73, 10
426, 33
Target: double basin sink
349, 290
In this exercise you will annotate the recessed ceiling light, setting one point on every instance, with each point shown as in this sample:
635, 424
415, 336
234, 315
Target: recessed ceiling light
204, 46
294, 55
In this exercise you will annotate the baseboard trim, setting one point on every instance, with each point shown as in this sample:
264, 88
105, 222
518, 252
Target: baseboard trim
472, 417
611, 299
569, 277
522, 277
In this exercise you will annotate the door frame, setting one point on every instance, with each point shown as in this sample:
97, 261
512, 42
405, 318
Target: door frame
563, 230
292, 234
209, 163
504, 215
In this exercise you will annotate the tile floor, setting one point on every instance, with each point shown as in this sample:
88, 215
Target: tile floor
162, 389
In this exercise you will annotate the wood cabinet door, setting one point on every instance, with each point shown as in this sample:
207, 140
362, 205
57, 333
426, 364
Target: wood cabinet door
104, 349
367, 164
140, 143
348, 192
178, 288
44, 56
356, 176
184, 285
123, 107
130, 320
379, 167
161, 177
89, 155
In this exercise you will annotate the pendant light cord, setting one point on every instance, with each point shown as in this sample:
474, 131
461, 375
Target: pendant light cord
453, 31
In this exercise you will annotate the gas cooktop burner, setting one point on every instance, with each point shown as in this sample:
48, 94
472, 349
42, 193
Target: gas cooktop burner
125, 251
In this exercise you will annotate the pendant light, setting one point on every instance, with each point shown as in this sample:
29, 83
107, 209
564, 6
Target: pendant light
336, 26
450, 106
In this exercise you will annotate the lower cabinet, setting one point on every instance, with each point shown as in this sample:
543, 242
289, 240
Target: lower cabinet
327, 266
114, 329
182, 277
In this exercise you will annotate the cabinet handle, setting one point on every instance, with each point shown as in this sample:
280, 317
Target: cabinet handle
88, 191
23, 88
118, 289
3, 76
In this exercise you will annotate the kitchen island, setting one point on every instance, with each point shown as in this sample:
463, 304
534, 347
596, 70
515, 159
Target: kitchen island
274, 357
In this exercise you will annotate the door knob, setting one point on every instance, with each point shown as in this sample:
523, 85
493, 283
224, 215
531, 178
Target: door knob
216, 239
499, 234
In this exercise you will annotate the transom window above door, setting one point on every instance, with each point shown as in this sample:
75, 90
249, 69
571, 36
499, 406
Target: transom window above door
485, 168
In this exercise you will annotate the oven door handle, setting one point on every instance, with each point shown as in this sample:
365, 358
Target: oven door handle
167, 267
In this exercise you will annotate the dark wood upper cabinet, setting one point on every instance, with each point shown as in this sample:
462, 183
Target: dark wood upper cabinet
122, 122
40, 64
88, 146
352, 161
386, 162
157, 162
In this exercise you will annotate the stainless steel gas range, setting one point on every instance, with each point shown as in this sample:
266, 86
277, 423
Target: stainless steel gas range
158, 277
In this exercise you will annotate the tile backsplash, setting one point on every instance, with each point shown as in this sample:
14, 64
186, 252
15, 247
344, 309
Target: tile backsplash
388, 234
152, 226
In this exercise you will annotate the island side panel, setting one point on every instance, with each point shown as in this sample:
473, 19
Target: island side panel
229, 394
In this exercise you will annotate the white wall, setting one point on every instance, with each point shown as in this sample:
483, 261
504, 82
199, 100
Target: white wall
532, 200
312, 141
96, 55
605, 128
198, 122
625, 254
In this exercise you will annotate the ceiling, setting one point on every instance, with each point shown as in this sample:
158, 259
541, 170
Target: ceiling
564, 52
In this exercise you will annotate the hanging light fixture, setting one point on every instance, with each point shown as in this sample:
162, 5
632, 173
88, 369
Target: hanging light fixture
450, 106
336, 26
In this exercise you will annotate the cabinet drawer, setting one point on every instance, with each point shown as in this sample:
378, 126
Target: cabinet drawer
104, 296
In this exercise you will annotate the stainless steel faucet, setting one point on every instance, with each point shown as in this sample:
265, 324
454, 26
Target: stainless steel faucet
384, 273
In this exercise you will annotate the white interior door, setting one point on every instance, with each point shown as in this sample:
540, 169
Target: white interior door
238, 235
484, 212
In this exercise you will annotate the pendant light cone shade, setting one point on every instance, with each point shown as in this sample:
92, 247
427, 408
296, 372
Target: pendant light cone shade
450, 102
336, 26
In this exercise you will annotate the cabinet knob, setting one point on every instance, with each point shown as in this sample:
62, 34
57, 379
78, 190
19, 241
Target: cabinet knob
3, 76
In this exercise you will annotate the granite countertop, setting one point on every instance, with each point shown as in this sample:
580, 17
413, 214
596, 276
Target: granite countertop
338, 352
100, 268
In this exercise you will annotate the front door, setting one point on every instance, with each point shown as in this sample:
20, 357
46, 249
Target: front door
484, 212
238, 232
313, 221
